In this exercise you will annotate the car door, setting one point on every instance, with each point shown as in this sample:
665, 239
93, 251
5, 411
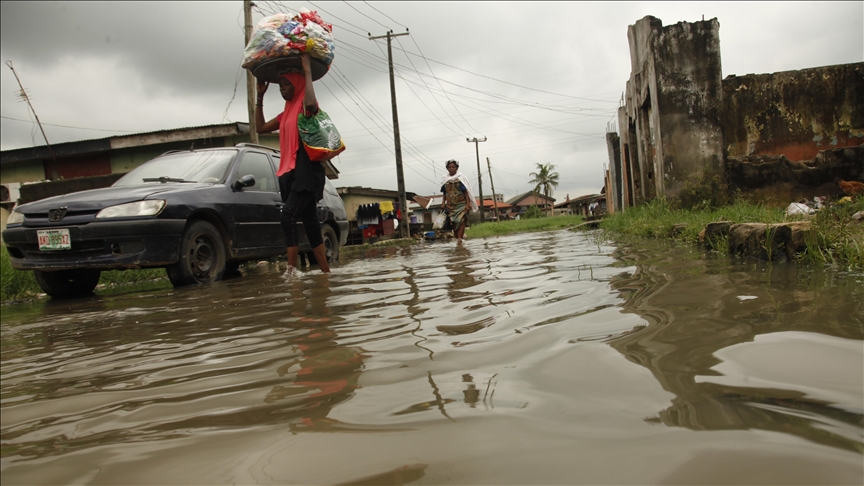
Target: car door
257, 208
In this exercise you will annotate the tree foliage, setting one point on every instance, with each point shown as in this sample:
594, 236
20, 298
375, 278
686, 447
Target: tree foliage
544, 180
533, 212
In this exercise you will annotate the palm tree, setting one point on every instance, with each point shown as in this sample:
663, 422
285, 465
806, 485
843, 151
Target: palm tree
545, 178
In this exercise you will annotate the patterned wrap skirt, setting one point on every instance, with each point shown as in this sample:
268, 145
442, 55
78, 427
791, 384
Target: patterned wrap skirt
454, 194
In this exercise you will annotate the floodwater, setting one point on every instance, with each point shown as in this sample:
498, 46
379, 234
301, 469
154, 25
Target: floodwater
548, 358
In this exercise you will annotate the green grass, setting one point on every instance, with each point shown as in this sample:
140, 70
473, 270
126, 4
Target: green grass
838, 240
487, 229
112, 278
659, 220
17, 285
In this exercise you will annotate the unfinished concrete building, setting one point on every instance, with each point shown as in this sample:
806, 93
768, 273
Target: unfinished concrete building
684, 132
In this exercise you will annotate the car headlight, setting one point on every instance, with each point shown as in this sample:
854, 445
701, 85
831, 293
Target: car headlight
15, 218
139, 208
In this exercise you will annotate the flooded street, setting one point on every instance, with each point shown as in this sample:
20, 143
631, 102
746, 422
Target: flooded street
548, 358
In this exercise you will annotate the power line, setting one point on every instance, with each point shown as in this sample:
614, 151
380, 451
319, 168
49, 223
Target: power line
67, 126
424, 103
361, 123
412, 148
578, 110
460, 69
368, 17
363, 58
382, 13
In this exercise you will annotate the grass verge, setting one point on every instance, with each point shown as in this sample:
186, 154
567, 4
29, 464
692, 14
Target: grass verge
837, 241
487, 229
18, 285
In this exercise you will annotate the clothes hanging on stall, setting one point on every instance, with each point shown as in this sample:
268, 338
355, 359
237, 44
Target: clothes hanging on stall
368, 214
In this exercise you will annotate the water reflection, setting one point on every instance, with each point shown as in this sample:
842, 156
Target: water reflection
319, 372
696, 309
141, 369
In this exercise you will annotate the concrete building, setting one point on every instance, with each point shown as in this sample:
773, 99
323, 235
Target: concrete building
522, 202
686, 134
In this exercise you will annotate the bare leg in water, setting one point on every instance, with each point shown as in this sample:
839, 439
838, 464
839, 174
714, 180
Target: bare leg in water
460, 231
320, 256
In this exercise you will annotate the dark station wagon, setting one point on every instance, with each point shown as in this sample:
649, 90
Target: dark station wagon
197, 213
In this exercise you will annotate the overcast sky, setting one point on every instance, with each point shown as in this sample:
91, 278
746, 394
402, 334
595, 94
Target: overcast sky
541, 81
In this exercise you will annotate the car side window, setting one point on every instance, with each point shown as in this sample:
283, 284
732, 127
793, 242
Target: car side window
258, 165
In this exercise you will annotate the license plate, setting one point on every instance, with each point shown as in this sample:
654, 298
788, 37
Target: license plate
54, 239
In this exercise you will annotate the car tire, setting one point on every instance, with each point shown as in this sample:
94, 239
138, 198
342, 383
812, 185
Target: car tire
202, 256
331, 243
67, 283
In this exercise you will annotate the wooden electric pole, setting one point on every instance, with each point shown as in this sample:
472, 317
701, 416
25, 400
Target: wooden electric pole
250, 79
494, 201
479, 173
400, 178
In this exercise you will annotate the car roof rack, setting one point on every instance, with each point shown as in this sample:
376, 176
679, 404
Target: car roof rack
245, 144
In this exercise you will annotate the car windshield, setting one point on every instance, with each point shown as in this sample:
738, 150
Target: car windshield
204, 166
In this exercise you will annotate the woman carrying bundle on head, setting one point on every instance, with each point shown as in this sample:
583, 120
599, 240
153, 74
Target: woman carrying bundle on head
458, 198
301, 181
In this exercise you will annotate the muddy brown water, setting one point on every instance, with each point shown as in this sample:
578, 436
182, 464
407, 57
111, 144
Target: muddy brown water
548, 358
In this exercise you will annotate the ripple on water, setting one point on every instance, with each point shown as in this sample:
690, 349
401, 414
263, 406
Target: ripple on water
554, 338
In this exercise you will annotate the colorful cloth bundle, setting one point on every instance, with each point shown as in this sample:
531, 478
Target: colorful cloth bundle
283, 36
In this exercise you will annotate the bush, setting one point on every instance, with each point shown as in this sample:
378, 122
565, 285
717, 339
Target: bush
533, 212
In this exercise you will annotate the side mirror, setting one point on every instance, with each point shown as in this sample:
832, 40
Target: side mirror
245, 181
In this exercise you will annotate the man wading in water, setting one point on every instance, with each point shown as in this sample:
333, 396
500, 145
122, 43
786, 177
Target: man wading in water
301, 181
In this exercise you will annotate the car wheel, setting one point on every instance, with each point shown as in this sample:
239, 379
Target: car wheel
331, 243
67, 283
202, 256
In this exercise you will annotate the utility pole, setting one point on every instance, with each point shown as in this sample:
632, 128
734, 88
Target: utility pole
400, 178
494, 201
250, 79
23, 95
479, 173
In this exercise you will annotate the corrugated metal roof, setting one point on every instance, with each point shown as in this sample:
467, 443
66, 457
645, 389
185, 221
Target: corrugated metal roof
79, 147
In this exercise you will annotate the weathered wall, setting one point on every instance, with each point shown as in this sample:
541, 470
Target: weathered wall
690, 105
794, 113
688, 135
775, 180
614, 180
640, 98
21, 172
674, 106
627, 160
